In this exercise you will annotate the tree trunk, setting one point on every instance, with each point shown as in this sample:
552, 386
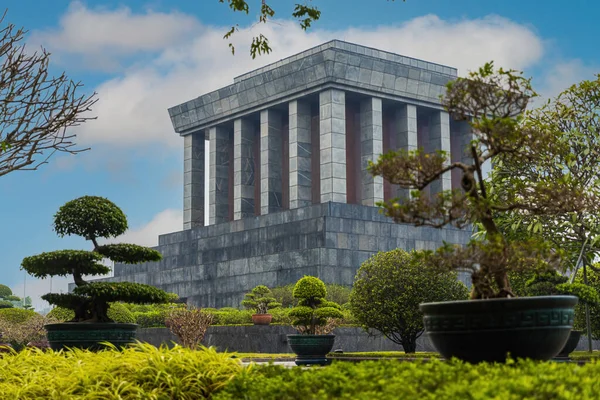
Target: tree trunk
409, 344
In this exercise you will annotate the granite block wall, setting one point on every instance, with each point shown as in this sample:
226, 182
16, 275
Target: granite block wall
213, 266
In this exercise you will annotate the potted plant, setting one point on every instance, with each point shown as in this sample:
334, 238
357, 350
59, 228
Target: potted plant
260, 300
494, 322
314, 319
92, 218
553, 283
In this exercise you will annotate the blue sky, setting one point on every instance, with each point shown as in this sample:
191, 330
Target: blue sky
144, 56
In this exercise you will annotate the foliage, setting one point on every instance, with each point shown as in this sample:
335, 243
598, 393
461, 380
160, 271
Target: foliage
313, 312
94, 217
260, 300
116, 311
339, 294
493, 102
593, 279
149, 319
36, 108
189, 325
24, 332
139, 372
433, 379
284, 295
90, 217
5, 291
388, 289
6, 304
574, 116
63, 262
232, 317
16, 315
305, 14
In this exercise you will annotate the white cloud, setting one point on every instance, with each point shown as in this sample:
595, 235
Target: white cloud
133, 105
564, 74
100, 37
147, 235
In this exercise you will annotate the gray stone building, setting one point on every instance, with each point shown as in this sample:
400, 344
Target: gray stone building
289, 194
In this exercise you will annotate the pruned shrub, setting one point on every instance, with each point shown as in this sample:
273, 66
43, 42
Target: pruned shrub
5, 291
6, 304
260, 300
314, 315
388, 289
189, 325
116, 312
284, 295
434, 379
150, 319
16, 315
231, 316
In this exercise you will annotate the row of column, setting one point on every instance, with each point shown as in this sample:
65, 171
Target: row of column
332, 158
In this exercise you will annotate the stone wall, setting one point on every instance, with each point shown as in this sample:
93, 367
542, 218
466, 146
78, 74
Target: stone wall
213, 266
272, 339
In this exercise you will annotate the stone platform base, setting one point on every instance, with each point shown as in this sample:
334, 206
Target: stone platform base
213, 266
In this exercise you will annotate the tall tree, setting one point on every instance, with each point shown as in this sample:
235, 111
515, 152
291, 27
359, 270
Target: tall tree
574, 116
305, 14
36, 108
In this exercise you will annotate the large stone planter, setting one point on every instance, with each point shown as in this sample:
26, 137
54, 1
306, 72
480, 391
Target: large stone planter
261, 319
311, 349
84, 335
489, 330
570, 346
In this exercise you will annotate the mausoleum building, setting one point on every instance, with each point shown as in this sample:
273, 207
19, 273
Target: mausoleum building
288, 190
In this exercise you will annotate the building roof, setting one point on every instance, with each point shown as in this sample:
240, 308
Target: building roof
335, 64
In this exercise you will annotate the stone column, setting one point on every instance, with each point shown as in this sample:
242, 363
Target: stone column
193, 180
332, 107
465, 132
271, 197
300, 154
406, 139
371, 147
218, 190
439, 139
243, 168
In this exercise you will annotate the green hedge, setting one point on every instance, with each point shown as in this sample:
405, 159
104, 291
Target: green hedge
140, 372
116, 311
16, 315
389, 379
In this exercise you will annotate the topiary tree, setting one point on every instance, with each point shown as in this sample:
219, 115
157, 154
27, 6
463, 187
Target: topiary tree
388, 289
92, 218
313, 312
6, 304
5, 291
260, 300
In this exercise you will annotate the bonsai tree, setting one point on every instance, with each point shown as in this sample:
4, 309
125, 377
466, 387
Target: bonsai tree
93, 218
388, 289
494, 103
260, 299
313, 312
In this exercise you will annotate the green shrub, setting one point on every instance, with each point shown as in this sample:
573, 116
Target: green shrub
116, 311
260, 300
313, 314
593, 278
388, 289
150, 319
6, 304
140, 372
231, 317
16, 315
5, 291
281, 316
339, 294
24, 332
284, 295
388, 379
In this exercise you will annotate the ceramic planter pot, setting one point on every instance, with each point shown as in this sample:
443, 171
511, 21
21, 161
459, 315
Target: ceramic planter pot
84, 335
311, 349
488, 330
262, 319
570, 346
